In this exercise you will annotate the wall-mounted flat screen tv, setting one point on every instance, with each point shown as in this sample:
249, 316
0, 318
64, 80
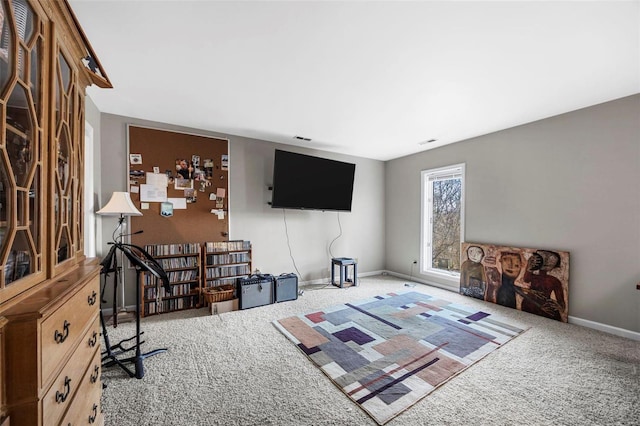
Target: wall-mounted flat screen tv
306, 182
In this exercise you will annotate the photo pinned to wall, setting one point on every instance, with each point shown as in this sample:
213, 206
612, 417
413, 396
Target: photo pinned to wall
190, 195
208, 167
170, 178
195, 160
184, 168
225, 161
166, 209
181, 183
203, 185
135, 158
219, 202
180, 164
156, 170
136, 174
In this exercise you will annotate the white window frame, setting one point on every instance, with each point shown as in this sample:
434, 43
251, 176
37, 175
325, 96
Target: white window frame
426, 265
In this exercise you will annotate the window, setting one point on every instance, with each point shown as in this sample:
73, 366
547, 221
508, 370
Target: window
442, 221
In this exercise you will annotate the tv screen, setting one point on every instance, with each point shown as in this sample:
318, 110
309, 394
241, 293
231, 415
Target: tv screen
306, 182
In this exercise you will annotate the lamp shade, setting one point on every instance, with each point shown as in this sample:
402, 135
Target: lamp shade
120, 204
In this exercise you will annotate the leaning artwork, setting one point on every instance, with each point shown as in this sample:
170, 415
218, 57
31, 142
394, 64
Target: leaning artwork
530, 280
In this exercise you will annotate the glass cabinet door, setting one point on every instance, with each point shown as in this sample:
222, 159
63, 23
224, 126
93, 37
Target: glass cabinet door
68, 151
21, 175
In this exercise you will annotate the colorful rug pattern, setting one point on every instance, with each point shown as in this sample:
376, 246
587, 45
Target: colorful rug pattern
388, 352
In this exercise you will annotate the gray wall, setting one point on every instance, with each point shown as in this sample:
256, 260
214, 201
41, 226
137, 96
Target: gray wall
570, 182
251, 218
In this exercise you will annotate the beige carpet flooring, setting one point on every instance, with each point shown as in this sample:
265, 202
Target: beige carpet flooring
236, 368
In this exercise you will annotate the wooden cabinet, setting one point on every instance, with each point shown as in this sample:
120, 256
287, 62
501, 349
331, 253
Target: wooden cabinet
182, 263
225, 262
53, 365
42, 88
49, 292
3, 410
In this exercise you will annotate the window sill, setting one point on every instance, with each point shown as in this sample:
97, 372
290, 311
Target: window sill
450, 280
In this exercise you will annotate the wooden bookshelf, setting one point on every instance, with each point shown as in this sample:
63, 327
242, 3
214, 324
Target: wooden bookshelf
182, 263
224, 262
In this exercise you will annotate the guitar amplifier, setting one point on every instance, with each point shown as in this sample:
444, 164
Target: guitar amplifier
256, 290
286, 287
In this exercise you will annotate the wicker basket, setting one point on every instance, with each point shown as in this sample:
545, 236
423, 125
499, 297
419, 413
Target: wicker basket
219, 293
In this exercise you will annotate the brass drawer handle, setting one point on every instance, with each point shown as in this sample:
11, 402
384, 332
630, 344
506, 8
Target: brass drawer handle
92, 418
61, 337
62, 397
95, 375
92, 299
93, 339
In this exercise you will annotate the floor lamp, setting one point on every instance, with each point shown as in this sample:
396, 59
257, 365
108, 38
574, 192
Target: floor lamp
120, 205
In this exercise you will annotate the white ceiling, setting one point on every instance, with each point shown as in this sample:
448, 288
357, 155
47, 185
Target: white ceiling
367, 78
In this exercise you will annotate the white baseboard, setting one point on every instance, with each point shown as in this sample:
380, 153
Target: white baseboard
109, 311
326, 280
622, 332
633, 335
420, 280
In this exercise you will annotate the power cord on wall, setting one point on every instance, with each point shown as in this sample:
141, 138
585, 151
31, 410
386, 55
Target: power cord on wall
339, 235
411, 275
286, 231
330, 246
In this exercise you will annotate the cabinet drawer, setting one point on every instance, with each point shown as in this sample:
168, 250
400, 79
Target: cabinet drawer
85, 409
61, 330
67, 383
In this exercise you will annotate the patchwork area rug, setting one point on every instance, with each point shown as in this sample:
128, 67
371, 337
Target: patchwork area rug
388, 352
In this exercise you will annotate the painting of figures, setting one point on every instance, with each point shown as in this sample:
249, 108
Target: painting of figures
530, 280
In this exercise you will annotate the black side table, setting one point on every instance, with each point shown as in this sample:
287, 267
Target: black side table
343, 263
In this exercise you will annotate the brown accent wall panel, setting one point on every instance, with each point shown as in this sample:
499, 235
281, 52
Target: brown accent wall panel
196, 223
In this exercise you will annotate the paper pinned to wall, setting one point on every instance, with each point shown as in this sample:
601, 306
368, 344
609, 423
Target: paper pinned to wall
152, 193
219, 213
221, 192
178, 203
135, 158
157, 179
